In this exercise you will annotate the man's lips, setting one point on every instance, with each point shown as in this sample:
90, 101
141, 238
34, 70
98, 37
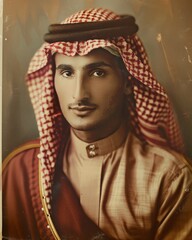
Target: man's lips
82, 106
82, 109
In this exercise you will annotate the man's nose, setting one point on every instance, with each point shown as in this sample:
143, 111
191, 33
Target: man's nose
80, 88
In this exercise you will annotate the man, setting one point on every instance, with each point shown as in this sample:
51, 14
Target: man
105, 166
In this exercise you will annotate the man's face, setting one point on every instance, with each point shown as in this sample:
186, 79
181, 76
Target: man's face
90, 89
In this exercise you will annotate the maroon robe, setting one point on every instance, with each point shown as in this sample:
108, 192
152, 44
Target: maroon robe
23, 213
21, 196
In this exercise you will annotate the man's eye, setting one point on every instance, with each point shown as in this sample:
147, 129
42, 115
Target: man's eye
66, 73
98, 73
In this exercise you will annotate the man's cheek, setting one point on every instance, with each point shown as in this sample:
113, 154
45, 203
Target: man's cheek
110, 103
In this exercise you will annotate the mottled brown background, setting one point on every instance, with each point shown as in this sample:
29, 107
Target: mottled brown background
165, 28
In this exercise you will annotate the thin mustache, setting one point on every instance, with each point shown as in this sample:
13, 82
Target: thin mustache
80, 104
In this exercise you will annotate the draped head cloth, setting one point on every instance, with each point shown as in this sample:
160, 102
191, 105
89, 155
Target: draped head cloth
151, 116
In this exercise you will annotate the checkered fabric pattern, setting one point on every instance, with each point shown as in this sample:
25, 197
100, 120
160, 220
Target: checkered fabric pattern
152, 117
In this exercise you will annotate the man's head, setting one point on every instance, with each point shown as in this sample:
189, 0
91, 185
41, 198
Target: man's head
92, 91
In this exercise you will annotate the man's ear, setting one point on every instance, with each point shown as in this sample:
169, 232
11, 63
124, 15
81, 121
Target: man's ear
127, 90
127, 86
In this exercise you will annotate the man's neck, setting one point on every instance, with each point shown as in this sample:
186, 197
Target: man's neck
96, 134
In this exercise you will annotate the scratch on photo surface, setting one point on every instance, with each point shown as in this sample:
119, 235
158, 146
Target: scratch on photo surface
188, 55
160, 40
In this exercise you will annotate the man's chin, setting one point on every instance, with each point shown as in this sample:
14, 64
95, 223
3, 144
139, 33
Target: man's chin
82, 128
85, 125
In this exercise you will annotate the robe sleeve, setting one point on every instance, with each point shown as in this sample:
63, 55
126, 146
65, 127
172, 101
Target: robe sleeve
18, 212
175, 211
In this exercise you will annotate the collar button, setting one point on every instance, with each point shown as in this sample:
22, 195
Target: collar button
92, 153
91, 150
92, 147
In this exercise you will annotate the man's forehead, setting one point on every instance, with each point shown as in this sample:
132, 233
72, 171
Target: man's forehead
95, 55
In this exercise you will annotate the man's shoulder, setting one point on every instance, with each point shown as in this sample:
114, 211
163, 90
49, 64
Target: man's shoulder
24, 154
160, 156
158, 169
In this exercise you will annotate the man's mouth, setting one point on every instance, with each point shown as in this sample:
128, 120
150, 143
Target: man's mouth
82, 109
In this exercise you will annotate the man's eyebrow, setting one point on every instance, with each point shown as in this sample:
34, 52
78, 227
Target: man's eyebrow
97, 64
88, 66
64, 66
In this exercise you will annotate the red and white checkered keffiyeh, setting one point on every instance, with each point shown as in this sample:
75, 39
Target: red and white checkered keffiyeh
152, 118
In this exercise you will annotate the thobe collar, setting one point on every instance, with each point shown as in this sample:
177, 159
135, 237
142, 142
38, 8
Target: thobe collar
100, 147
